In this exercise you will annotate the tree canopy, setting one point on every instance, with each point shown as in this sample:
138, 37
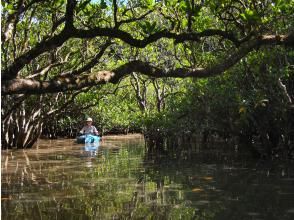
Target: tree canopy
55, 46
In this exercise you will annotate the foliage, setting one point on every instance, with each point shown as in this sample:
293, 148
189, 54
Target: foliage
121, 62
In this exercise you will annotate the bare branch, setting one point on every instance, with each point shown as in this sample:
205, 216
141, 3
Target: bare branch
67, 103
12, 20
285, 92
135, 19
69, 14
127, 37
12, 71
115, 13
92, 62
44, 70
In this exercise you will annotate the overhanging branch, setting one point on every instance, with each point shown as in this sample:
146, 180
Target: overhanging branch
76, 82
70, 32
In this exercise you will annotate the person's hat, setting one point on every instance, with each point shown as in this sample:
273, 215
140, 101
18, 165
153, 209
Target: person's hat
89, 119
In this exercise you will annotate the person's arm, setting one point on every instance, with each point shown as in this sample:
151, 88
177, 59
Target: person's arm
82, 131
95, 131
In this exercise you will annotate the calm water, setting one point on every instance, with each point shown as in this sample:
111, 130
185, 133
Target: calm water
117, 180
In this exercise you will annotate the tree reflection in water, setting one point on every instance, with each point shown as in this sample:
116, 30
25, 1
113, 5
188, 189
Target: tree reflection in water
118, 180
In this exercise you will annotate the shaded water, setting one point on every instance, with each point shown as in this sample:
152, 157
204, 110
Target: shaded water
117, 180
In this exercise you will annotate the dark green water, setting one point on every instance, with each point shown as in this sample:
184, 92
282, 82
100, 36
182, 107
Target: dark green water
117, 180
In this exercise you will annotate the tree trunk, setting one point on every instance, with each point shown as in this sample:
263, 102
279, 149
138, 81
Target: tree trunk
21, 127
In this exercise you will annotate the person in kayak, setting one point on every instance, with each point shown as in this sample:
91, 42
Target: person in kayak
89, 128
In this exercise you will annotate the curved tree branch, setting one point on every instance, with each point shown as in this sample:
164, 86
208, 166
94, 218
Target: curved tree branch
70, 32
69, 14
134, 19
115, 12
92, 62
47, 44
12, 71
75, 82
141, 43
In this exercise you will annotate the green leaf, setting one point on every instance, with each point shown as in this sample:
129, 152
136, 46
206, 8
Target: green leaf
59, 3
243, 17
250, 15
103, 4
148, 27
150, 3
197, 10
9, 7
83, 5
184, 23
183, 6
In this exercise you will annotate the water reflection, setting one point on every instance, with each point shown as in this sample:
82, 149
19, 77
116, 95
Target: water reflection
117, 180
92, 148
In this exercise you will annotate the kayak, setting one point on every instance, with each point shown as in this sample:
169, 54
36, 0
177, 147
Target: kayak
88, 139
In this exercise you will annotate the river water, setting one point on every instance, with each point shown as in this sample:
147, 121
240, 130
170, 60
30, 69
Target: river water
117, 179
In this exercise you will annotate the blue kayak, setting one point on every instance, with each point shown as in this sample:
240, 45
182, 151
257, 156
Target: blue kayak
88, 139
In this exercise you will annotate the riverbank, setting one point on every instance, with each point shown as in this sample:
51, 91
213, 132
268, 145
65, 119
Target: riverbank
122, 136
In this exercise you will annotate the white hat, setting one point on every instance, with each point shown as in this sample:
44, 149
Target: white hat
89, 119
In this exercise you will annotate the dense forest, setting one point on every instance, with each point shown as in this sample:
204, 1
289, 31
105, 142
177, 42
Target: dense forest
174, 70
